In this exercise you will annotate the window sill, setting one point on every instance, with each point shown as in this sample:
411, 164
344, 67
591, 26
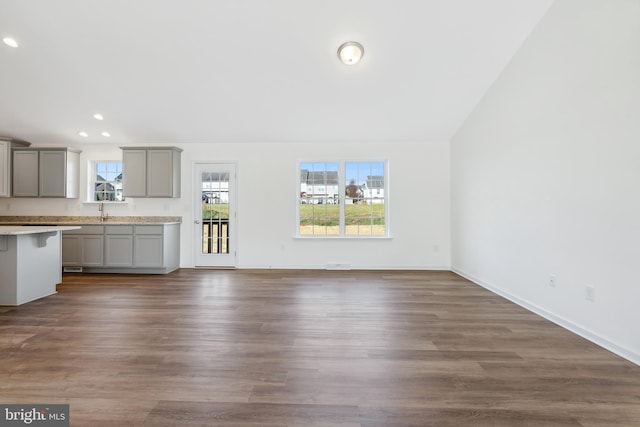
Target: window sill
343, 237
106, 202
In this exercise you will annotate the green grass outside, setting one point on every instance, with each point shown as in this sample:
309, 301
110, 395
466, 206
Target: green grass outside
215, 211
325, 215
329, 215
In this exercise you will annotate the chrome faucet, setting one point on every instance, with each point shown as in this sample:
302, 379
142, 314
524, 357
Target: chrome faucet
103, 216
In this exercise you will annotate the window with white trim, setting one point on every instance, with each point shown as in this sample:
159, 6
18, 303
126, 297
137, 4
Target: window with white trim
346, 199
105, 181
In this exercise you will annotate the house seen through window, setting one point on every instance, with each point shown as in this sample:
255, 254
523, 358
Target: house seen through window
342, 199
106, 181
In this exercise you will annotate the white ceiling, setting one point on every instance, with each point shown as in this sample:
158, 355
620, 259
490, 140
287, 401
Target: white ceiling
169, 71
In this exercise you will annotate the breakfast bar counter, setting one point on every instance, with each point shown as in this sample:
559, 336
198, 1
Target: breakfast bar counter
30, 262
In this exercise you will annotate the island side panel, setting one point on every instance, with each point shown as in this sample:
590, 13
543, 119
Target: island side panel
8, 273
39, 269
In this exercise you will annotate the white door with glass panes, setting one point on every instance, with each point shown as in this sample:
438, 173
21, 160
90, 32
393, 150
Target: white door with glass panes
215, 214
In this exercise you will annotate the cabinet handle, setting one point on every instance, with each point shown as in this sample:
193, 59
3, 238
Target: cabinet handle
197, 221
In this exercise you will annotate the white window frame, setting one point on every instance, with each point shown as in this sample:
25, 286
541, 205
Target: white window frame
342, 198
91, 181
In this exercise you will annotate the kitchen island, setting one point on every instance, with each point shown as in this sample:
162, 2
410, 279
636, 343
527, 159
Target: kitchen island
30, 262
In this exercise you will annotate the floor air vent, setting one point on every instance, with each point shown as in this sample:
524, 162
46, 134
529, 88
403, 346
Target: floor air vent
338, 267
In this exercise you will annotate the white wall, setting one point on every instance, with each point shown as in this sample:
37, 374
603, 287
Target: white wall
546, 174
419, 214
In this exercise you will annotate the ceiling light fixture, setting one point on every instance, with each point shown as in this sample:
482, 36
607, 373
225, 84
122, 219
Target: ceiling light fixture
83, 134
9, 41
98, 116
350, 53
106, 134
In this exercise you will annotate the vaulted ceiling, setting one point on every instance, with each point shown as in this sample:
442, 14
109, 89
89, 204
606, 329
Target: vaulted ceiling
169, 71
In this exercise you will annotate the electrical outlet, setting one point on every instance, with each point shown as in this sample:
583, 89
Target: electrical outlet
590, 293
552, 280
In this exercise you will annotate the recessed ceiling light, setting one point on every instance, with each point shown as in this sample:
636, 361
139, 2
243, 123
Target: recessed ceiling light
83, 134
350, 52
98, 116
106, 134
9, 41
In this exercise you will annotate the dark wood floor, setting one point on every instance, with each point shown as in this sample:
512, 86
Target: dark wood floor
294, 348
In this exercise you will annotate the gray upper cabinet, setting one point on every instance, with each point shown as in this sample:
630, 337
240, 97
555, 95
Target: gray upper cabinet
163, 173
25, 173
61, 166
134, 173
5, 168
6, 145
151, 171
46, 172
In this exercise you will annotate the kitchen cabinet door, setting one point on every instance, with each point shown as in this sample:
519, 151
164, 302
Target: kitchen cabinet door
134, 173
148, 251
25, 173
118, 251
5, 168
52, 174
93, 251
163, 173
71, 251
6, 145
82, 250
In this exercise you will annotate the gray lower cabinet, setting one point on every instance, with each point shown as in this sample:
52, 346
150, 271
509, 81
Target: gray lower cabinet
93, 251
118, 245
149, 249
148, 246
84, 247
156, 247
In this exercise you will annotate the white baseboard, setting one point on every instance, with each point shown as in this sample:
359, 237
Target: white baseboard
558, 320
344, 267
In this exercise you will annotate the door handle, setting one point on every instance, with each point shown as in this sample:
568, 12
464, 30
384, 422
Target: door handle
197, 221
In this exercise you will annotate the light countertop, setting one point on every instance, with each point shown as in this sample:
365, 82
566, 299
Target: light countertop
14, 230
89, 220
